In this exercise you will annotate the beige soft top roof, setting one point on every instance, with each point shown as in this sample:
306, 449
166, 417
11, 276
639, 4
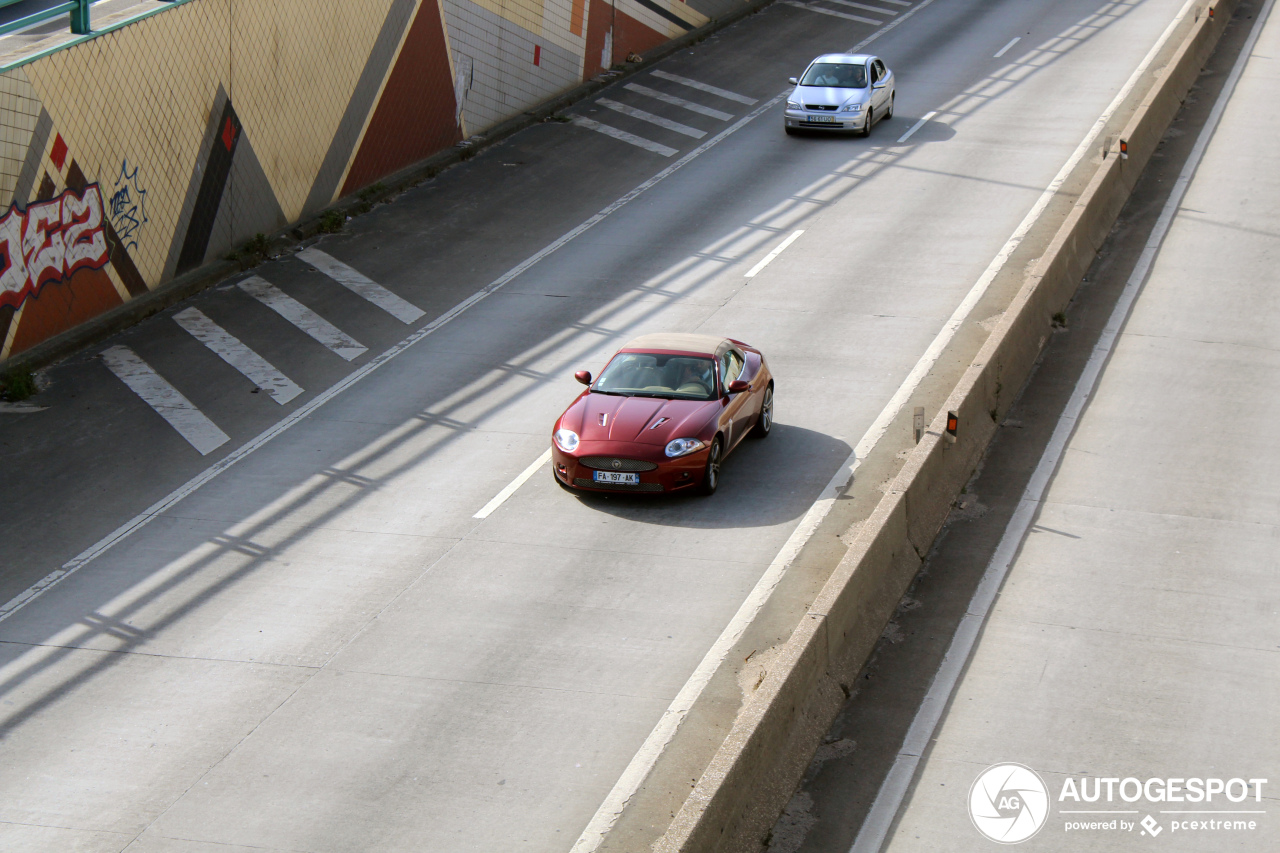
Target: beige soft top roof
709, 344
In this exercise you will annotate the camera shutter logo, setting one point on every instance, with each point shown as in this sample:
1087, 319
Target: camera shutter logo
1008, 803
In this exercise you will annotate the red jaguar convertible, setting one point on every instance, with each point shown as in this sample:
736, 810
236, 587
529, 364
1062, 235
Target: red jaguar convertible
662, 416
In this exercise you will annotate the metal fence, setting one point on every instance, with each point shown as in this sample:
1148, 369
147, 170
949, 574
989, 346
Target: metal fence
79, 10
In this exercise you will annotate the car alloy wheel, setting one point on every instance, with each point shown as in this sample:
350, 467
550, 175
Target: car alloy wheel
765, 422
711, 475
889, 113
871, 119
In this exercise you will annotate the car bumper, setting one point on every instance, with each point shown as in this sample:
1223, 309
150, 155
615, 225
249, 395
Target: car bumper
575, 470
817, 121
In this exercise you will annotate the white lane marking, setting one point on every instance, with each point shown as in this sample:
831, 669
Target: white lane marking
896, 2
767, 259
884, 810
679, 102
638, 141
167, 401
703, 87
230, 349
1001, 52
363, 286
282, 426
919, 124
651, 118
877, 10
500, 498
809, 7
303, 317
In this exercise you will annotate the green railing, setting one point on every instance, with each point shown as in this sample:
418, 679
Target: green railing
79, 10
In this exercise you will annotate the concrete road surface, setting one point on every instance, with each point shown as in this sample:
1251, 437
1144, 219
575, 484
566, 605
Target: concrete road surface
249, 603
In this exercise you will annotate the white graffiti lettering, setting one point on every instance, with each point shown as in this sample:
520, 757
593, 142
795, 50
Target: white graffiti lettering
50, 241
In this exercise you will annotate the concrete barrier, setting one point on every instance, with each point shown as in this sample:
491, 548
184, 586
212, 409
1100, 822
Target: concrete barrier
753, 774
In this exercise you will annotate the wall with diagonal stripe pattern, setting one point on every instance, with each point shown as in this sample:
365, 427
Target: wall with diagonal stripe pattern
165, 141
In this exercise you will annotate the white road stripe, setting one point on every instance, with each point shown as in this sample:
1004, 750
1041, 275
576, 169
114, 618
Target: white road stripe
875, 828
919, 124
767, 259
703, 87
361, 285
500, 498
638, 141
1001, 52
679, 102
812, 8
166, 400
864, 7
230, 349
303, 317
896, 2
651, 118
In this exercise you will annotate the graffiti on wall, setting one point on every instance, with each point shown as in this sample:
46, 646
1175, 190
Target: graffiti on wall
128, 206
50, 241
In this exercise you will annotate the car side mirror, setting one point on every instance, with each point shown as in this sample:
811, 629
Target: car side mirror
737, 386
793, 81
583, 376
877, 85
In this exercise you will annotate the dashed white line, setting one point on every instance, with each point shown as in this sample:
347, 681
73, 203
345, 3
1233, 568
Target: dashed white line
919, 124
234, 352
896, 2
679, 102
303, 317
167, 401
832, 12
651, 118
609, 130
1001, 52
362, 286
703, 87
500, 498
767, 259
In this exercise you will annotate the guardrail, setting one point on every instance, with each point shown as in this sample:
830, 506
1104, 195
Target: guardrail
79, 10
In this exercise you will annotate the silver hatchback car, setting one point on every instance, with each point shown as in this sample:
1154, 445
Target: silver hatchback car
841, 91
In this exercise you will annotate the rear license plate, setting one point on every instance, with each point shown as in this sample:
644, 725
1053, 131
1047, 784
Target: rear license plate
616, 477
827, 119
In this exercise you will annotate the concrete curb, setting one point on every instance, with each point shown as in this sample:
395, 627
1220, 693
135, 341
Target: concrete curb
295, 235
754, 773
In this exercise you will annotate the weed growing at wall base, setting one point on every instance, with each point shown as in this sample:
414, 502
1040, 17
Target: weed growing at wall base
331, 222
17, 385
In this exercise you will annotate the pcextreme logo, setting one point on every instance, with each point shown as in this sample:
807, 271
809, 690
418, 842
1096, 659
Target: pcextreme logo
1010, 803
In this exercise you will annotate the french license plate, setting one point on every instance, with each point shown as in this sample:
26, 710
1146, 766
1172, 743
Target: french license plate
616, 477
827, 119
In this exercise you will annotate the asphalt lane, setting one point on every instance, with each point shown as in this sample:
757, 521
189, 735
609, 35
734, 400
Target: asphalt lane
321, 648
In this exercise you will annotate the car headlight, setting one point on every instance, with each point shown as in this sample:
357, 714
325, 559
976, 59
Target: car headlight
566, 440
683, 447
793, 105
851, 108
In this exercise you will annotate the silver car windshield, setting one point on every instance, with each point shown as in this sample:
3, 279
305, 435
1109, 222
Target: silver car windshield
642, 374
836, 75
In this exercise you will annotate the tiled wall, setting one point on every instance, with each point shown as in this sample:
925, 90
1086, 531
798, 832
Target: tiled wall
142, 153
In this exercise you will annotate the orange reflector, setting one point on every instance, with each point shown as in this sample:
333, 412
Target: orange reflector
953, 422
1210, 11
1124, 149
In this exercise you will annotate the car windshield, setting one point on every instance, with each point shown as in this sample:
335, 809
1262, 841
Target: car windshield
645, 374
837, 75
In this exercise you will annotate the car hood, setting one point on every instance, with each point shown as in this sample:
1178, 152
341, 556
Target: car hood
638, 419
828, 96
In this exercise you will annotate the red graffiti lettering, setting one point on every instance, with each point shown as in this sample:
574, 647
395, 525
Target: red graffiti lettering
50, 241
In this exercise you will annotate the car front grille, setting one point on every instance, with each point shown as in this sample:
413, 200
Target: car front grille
617, 487
829, 109
613, 463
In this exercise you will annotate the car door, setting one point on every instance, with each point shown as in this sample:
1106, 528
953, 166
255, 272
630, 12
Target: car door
875, 70
886, 77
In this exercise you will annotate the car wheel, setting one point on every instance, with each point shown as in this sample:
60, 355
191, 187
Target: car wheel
889, 112
791, 131
764, 423
711, 474
871, 119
